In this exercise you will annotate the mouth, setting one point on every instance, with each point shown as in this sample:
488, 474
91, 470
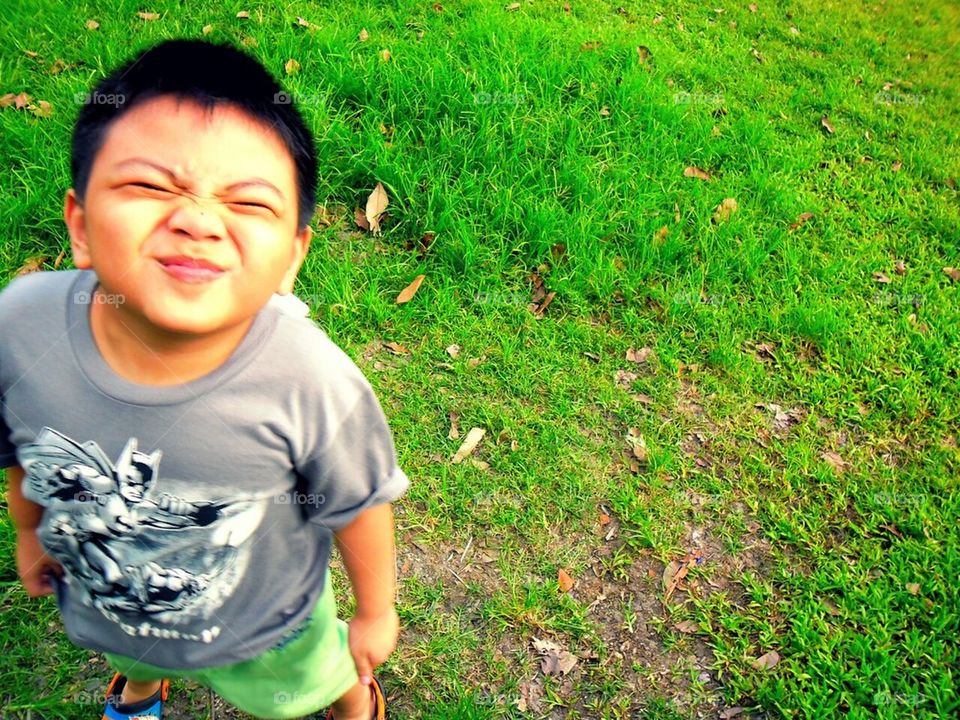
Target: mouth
191, 270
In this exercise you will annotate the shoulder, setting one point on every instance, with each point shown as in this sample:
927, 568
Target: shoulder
312, 358
35, 292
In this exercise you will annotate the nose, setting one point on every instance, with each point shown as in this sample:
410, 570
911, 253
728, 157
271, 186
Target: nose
192, 217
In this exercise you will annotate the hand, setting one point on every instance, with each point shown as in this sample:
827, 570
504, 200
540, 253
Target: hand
372, 639
34, 565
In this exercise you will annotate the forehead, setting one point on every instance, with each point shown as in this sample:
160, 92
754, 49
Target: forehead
220, 144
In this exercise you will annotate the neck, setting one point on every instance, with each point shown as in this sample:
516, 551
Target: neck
142, 353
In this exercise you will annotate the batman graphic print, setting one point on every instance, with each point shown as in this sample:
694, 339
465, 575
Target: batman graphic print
130, 549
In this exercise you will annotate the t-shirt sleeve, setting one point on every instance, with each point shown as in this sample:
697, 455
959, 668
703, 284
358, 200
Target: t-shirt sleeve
356, 470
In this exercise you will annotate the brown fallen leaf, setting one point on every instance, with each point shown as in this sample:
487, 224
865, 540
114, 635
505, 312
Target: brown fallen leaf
590, 45
363, 35
377, 202
564, 581
952, 273
756, 54
834, 460
32, 264
555, 660
639, 356
360, 219
881, 278
900, 268
801, 219
724, 210
695, 172
396, 348
826, 124
753, 7
604, 519
730, 713
207, 29
643, 53
913, 588
303, 22
766, 661
605, 111
453, 350
410, 290
687, 626
896, 166
660, 235
41, 109
469, 445
149, 15
385, 55
20, 100
512, 6
91, 24
243, 15
291, 66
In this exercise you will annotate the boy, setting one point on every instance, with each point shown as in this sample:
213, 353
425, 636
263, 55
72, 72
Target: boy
181, 450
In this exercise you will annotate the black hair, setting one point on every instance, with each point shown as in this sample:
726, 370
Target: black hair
206, 73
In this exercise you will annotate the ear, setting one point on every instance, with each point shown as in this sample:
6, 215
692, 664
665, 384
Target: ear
75, 218
301, 244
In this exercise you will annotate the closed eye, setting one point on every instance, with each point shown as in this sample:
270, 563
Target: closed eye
148, 186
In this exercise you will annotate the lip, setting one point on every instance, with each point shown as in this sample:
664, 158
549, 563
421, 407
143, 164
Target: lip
190, 269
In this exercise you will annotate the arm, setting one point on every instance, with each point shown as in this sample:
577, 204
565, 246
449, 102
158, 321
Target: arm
367, 548
33, 564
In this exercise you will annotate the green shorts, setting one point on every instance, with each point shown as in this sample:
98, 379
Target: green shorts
296, 677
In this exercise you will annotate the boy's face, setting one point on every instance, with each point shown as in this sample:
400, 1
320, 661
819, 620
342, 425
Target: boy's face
189, 219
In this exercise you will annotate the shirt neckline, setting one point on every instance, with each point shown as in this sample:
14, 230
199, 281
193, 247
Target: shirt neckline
106, 379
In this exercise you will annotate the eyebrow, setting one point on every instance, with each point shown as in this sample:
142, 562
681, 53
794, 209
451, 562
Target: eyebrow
250, 182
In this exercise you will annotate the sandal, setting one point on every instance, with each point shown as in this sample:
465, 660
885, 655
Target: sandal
150, 708
379, 704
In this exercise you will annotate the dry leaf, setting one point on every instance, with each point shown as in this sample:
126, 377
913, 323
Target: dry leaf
881, 278
376, 204
453, 350
60, 257
91, 24
826, 124
385, 55
364, 35
512, 6
756, 54
687, 626
639, 356
149, 15
360, 219
303, 22
753, 7
396, 348
660, 235
730, 713
291, 67
801, 219
604, 519
32, 264
724, 210
410, 290
643, 53
590, 45
676, 212
900, 268
248, 41
953, 273
834, 460
20, 100
604, 111
469, 444
243, 15
913, 588
41, 109
766, 661
565, 581
896, 166
695, 172
207, 29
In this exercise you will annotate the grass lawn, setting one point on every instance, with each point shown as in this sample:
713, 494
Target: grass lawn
738, 436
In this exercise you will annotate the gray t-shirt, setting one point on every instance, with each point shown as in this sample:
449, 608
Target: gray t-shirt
194, 522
